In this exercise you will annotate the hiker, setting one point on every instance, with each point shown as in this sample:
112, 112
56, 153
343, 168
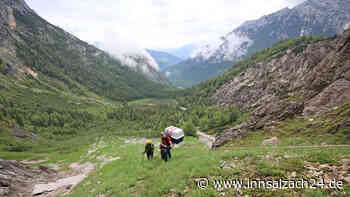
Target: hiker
165, 146
149, 149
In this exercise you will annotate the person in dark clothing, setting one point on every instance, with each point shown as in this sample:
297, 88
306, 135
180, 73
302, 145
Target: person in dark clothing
165, 146
149, 149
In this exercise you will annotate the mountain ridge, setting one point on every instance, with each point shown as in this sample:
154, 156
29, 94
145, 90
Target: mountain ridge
312, 17
32, 45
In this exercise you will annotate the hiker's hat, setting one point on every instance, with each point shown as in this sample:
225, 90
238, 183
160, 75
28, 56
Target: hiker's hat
148, 142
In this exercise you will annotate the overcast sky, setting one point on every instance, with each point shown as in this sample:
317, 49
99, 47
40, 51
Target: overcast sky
153, 23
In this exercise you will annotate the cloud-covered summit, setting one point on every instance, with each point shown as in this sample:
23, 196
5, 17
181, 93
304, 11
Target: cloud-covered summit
126, 50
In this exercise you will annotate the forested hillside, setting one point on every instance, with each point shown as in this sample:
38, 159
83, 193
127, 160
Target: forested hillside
32, 45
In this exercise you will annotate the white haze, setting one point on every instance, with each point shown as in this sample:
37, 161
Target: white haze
230, 47
125, 50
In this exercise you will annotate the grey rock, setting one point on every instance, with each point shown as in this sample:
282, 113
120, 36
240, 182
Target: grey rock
230, 134
4, 191
306, 84
272, 141
16, 178
47, 169
333, 95
347, 179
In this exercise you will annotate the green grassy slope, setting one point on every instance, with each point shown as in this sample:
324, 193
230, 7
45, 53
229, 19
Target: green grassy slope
133, 175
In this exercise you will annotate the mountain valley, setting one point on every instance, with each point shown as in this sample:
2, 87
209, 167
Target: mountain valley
74, 119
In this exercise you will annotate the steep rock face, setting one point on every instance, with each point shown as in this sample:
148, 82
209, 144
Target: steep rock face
313, 17
8, 25
308, 83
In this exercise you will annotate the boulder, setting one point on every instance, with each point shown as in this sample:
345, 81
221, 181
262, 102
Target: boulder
231, 134
347, 179
272, 141
4, 191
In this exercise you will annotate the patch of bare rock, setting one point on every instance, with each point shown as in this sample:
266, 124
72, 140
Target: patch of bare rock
306, 84
16, 178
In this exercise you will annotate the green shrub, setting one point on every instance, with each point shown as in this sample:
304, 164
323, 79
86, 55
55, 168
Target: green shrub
189, 129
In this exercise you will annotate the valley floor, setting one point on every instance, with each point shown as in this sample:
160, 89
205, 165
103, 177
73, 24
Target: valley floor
114, 166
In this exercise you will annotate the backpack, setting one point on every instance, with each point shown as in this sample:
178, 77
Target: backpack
149, 148
166, 141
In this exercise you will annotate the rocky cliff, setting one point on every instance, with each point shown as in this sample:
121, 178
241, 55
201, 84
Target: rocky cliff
307, 83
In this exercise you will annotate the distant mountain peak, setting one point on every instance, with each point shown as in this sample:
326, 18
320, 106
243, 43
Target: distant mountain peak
231, 47
312, 17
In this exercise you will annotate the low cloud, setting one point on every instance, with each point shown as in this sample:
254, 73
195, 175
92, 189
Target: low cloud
124, 49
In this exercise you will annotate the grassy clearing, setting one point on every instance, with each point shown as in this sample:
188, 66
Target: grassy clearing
133, 175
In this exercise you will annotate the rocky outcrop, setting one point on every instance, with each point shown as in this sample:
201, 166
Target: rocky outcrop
307, 83
17, 179
231, 134
12, 20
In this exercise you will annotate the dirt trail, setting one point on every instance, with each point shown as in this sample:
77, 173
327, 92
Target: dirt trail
64, 185
208, 139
